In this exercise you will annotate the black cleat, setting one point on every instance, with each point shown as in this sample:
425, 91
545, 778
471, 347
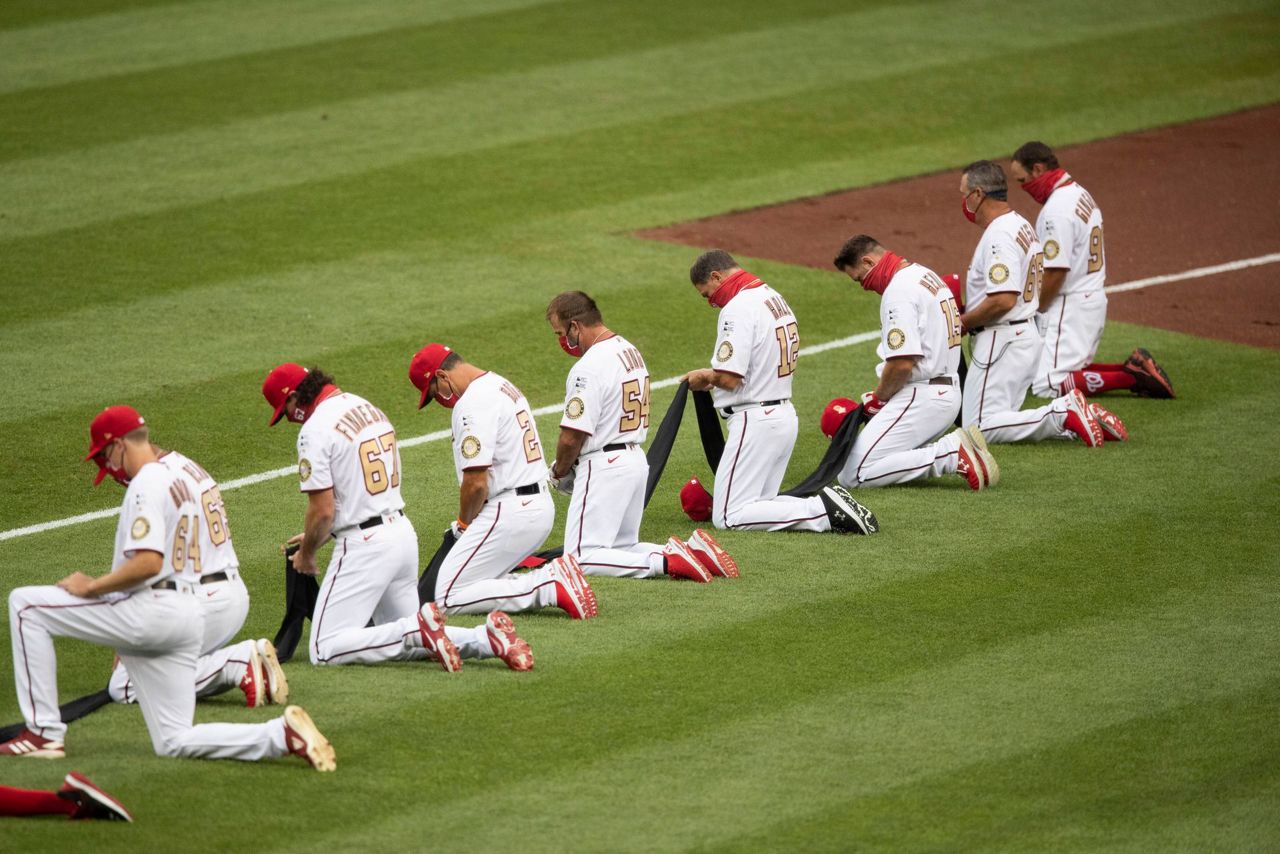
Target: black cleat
847, 515
1152, 381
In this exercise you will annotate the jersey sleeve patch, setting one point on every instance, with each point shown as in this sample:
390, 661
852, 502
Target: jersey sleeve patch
896, 339
304, 470
574, 408
1051, 249
998, 274
140, 528
724, 352
470, 447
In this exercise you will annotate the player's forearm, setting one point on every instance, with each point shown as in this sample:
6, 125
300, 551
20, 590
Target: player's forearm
1051, 286
568, 447
726, 381
894, 376
316, 528
472, 495
131, 573
989, 311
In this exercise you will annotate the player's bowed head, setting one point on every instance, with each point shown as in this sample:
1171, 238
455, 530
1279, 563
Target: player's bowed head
117, 436
576, 321
440, 374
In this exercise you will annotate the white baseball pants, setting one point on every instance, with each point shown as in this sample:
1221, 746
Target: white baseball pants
603, 526
1072, 330
157, 634
219, 668
476, 576
1004, 360
373, 575
898, 443
755, 459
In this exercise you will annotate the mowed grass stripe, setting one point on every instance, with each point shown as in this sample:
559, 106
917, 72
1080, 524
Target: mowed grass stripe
808, 752
160, 36
107, 182
327, 74
1158, 799
621, 172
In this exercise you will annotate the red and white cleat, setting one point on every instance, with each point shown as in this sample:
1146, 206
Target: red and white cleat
506, 644
683, 563
434, 640
252, 683
91, 801
573, 594
27, 743
1113, 429
709, 553
1081, 422
302, 738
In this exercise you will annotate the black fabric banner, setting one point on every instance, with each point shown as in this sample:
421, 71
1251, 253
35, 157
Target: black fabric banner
72, 710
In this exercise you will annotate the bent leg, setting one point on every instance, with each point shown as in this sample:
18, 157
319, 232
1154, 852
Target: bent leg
476, 575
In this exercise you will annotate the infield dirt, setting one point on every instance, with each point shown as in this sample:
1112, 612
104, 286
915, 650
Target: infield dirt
1173, 198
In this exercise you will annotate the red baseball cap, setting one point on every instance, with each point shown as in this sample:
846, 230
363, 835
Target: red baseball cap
695, 501
279, 384
424, 366
835, 414
111, 423
952, 281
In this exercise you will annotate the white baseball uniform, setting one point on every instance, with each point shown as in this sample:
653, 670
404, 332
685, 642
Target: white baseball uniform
348, 445
1070, 229
156, 628
758, 339
223, 597
1006, 352
494, 430
918, 319
607, 397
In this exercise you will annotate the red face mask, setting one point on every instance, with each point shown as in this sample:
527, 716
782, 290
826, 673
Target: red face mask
1041, 188
116, 474
878, 277
574, 349
447, 402
971, 215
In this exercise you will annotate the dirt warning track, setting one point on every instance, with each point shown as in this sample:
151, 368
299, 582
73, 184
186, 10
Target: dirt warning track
1173, 198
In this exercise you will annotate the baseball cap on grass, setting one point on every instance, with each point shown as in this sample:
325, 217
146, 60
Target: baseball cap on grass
695, 501
279, 384
424, 366
835, 414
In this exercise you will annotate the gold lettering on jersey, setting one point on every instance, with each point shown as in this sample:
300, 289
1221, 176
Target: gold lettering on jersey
778, 307
631, 360
357, 418
931, 283
1085, 207
197, 474
180, 492
1026, 236
510, 391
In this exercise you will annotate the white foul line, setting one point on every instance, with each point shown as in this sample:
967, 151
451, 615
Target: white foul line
439, 435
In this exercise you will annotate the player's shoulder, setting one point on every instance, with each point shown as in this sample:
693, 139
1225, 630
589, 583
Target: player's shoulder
149, 482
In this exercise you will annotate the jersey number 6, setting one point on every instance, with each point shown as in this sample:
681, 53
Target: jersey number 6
375, 469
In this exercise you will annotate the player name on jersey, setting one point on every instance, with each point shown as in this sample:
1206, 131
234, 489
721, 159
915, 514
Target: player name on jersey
357, 418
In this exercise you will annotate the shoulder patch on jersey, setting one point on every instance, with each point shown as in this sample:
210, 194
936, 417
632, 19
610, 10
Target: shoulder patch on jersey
304, 470
725, 351
141, 527
998, 274
896, 339
470, 447
1051, 249
574, 408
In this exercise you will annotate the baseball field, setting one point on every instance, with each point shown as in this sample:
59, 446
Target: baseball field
1086, 657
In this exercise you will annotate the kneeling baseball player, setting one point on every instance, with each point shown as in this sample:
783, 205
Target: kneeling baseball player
1002, 291
1073, 299
752, 366
505, 509
146, 609
349, 469
251, 665
600, 460
917, 398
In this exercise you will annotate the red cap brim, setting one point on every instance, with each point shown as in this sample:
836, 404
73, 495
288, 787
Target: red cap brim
426, 395
102, 473
275, 418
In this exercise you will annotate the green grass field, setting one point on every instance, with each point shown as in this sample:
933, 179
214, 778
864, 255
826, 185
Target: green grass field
1086, 657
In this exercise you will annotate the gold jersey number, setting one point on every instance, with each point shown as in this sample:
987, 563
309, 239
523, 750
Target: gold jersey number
635, 405
372, 453
788, 348
1035, 275
1096, 256
532, 450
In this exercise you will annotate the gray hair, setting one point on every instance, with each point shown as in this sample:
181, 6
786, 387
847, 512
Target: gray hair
987, 176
